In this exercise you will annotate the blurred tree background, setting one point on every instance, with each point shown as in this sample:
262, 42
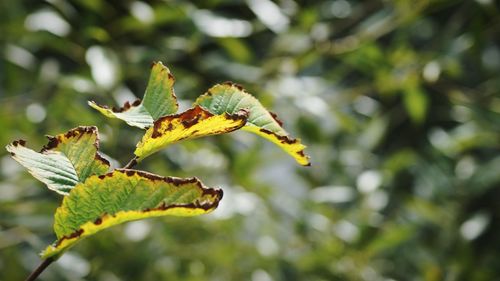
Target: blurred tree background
397, 101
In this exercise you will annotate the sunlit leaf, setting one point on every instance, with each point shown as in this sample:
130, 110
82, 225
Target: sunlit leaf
193, 123
67, 159
125, 195
231, 98
159, 100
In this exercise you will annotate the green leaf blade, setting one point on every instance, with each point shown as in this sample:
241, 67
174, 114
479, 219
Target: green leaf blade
52, 168
125, 195
135, 114
159, 100
81, 147
67, 159
229, 98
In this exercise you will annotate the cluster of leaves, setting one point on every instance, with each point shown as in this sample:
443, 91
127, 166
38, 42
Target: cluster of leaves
95, 199
397, 100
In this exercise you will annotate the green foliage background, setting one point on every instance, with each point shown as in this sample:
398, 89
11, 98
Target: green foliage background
397, 100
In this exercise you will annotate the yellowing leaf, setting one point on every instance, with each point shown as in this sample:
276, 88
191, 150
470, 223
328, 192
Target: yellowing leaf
230, 98
290, 145
193, 123
81, 146
67, 159
159, 100
125, 195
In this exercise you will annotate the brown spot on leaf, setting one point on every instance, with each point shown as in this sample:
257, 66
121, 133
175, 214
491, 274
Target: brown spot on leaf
187, 123
100, 158
156, 128
241, 114
75, 234
102, 177
130, 173
126, 106
19, 142
282, 139
53, 143
239, 87
176, 181
78, 131
98, 221
187, 118
275, 117
162, 206
195, 205
302, 154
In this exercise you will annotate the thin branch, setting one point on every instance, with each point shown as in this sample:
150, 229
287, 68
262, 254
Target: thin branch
131, 164
40, 269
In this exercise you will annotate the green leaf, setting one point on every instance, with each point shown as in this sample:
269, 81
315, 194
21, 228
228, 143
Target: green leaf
416, 103
193, 123
134, 114
125, 195
159, 100
231, 98
67, 159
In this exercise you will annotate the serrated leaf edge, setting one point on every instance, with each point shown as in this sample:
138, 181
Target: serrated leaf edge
106, 220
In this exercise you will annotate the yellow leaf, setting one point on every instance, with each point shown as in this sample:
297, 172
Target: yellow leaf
125, 195
229, 98
193, 123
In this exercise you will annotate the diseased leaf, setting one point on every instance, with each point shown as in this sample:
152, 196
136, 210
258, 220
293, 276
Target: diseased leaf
193, 123
230, 98
67, 159
81, 147
51, 167
125, 195
134, 114
159, 100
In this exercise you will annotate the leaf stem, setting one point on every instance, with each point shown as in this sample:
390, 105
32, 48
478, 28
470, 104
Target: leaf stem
131, 163
40, 269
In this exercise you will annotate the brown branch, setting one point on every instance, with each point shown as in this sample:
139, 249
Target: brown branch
40, 269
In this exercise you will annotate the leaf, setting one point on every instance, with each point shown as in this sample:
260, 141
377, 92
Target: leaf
51, 167
67, 159
416, 103
193, 123
230, 98
125, 195
159, 100
134, 114
81, 147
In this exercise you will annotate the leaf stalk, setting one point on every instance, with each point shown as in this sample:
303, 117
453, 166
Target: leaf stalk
45, 263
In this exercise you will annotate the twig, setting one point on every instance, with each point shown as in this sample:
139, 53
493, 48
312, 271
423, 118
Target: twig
48, 261
40, 269
131, 164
